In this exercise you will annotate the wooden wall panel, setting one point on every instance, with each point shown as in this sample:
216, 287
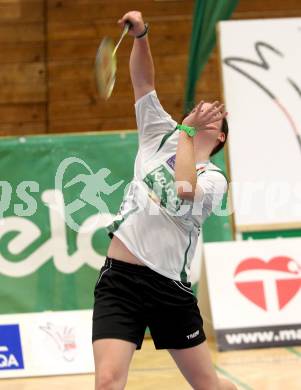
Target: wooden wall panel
80, 41
16, 53
23, 92
22, 128
25, 11
110, 11
47, 60
77, 82
267, 9
75, 29
11, 32
20, 119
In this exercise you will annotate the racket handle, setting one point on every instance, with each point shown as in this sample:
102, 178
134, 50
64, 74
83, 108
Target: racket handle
126, 28
128, 24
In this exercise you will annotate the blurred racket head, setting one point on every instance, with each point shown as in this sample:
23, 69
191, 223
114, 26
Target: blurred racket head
105, 65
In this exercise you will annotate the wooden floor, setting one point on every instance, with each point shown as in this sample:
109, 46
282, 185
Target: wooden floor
262, 369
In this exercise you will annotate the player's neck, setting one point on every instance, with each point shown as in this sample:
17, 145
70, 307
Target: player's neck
202, 154
202, 148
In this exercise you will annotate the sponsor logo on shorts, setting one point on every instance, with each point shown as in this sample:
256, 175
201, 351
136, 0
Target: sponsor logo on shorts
11, 356
193, 335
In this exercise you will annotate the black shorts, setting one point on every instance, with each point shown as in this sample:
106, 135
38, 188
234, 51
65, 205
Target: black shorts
129, 298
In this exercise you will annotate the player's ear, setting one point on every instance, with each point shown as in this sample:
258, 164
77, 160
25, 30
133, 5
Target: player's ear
221, 137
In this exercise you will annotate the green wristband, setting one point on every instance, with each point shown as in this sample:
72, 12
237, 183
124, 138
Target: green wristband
191, 131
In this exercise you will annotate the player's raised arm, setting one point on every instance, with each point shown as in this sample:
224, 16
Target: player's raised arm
141, 61
200, 119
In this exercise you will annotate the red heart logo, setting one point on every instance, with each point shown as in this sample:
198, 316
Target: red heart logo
258, 280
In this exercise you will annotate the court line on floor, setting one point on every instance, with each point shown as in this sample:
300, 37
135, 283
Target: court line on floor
294, 351
232, 378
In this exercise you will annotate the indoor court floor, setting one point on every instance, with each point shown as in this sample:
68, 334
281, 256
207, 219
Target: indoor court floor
261, 369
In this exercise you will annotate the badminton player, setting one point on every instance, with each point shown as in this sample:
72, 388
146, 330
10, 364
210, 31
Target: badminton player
145, 278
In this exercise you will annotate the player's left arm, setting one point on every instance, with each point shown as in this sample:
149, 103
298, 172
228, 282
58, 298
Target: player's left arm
185, 172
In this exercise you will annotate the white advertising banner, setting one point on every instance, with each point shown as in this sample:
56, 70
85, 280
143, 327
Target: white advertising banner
261, 62
255, 292
48, 343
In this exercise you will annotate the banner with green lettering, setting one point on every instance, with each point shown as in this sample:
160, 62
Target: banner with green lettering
56, 195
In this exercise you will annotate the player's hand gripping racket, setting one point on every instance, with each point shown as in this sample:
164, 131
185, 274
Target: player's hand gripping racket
106, 64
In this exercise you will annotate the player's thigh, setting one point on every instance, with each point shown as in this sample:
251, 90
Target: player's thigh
196, 366
112, 358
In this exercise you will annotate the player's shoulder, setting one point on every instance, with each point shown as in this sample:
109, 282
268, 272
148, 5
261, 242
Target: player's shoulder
148, 97
150, 113
216, 172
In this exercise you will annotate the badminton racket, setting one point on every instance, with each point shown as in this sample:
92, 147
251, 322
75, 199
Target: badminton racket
106, 64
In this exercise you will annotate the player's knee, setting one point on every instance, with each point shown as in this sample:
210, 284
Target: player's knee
224, 384
109, 379
206, 383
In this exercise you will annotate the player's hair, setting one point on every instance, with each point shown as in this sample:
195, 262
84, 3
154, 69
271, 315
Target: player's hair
221, 144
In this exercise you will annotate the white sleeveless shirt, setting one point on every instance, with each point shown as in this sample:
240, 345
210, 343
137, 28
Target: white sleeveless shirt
153, 223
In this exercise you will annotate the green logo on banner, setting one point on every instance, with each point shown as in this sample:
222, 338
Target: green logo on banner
95, 186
